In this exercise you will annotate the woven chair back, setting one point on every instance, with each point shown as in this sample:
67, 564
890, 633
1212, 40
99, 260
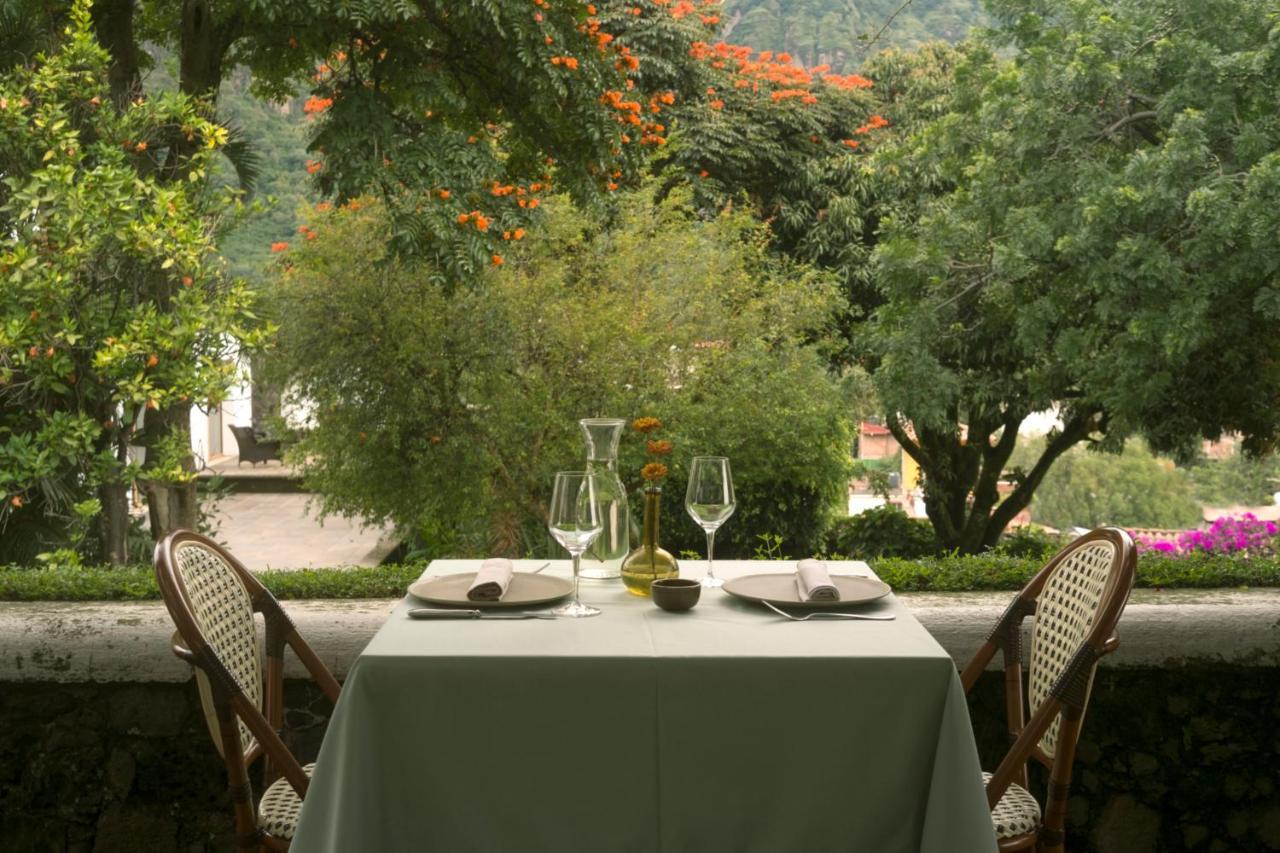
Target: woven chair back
1067, 608
222, 610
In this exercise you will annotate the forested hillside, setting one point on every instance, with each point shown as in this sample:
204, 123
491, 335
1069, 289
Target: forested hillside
839, 32
277, 138
274, 137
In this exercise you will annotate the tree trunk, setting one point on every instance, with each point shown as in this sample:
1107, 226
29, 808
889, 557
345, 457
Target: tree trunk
170, 506
113, 23
961, 477
114, 522
203, 46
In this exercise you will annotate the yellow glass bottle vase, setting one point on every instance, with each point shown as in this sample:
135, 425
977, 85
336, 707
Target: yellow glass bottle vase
648, 562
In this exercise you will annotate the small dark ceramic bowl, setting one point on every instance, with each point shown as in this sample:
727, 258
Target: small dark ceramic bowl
676, 594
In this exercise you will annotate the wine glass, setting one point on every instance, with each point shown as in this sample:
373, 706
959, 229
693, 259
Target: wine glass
710, 502
575, 520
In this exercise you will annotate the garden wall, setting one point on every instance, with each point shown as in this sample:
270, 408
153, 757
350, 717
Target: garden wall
1178, 751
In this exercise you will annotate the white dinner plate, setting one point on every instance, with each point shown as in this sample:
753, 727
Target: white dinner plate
781, 589
525, 589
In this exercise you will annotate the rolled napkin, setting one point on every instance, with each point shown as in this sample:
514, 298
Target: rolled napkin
491, 581
814, 583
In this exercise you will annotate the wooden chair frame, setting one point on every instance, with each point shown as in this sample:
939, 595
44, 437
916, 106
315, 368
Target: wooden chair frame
230, 704
1068, 695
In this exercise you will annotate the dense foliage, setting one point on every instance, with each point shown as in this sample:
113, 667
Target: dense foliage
1086, 488
1236, 480
448, 411
1100, 235
113, 308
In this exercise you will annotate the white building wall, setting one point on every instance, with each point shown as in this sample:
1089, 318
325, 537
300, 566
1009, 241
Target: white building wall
211, 431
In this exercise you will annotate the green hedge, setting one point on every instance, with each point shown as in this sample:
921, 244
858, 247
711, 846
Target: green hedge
138, 583
1003, 572
932, 574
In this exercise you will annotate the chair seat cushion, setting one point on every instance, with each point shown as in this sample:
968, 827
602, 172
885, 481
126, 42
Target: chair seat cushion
1016, 814
280, 806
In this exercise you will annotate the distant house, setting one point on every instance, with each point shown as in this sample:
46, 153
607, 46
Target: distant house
878, 448
875, 441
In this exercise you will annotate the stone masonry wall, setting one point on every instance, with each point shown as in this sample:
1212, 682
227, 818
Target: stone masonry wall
1184, 758
123, 767
1171, 759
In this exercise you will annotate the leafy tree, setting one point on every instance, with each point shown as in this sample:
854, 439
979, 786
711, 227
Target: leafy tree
1086, 488
792, 142
448, 411
1099, 237
112, 303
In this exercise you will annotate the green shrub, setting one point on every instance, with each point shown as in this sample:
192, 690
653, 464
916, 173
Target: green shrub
447, 412
1028, 542
884, 531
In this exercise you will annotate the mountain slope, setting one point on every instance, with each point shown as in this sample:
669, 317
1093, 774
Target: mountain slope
837, 32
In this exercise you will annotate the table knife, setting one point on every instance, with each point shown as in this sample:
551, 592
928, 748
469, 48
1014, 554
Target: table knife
441, 613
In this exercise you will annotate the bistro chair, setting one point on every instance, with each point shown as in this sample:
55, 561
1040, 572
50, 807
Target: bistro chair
1077, 599
212, 599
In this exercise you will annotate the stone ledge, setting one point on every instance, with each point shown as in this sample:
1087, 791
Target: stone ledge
124, 642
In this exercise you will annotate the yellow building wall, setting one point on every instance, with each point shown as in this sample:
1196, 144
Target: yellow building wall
910, 472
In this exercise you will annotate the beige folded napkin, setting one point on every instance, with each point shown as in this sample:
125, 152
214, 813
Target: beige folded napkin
491, 581
814, 583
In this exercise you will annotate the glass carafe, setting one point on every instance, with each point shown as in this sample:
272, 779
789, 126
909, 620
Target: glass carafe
604, 558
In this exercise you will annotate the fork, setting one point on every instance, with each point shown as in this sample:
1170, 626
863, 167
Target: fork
808, 616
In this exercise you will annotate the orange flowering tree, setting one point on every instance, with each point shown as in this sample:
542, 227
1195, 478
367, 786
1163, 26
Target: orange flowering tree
463, 117
440, 107
789, 141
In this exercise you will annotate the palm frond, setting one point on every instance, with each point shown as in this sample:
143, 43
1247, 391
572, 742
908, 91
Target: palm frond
243, 156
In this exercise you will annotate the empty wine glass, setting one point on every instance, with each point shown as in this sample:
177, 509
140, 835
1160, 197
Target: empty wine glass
575, 520
709, 500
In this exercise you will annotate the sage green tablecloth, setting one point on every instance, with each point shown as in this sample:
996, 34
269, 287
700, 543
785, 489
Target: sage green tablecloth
723, 729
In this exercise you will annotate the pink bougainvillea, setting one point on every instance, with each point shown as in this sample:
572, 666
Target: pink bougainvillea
1243, 536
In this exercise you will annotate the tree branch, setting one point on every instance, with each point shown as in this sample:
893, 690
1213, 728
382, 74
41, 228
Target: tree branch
885, 26
986, 493
1144, 115
899, 432
1075, 431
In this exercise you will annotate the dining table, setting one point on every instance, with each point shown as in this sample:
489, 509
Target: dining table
723, 728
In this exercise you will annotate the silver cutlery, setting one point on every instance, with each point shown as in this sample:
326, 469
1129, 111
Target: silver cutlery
441, 613
828, 615
540, 568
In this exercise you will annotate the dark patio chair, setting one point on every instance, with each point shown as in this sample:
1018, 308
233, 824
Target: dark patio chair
1077, 599
253, 449
212, 599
